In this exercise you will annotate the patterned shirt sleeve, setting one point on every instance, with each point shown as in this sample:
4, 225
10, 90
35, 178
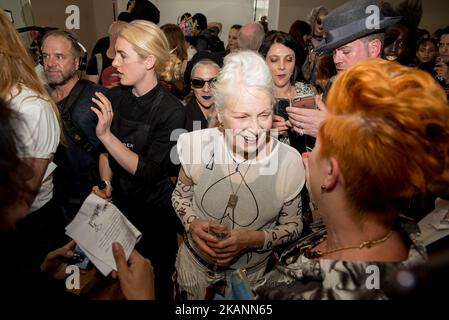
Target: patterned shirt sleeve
289, 225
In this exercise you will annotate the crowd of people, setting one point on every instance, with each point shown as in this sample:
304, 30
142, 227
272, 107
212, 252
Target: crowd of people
306, 158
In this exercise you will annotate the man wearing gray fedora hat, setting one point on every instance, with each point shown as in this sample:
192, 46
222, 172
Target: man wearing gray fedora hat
353, 32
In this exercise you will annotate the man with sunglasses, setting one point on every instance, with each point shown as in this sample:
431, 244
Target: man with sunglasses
200, 109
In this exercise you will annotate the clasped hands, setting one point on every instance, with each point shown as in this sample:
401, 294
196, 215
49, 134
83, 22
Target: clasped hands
222, 252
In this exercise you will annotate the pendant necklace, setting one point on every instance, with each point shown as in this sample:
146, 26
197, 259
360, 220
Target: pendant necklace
233, 197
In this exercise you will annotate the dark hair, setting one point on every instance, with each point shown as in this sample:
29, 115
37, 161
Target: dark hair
124, 16
278, 37
145, 10
185, 15
236, 26
298, 29
201, 21
285, 39
444, 32
13, 172
424, 40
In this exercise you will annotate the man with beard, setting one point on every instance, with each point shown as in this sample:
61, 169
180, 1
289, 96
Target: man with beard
77, 160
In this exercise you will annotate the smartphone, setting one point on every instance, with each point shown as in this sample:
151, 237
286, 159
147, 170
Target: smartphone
304, 101
80, 259
280, 107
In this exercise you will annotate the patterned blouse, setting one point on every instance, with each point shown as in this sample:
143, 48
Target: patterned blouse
300, 278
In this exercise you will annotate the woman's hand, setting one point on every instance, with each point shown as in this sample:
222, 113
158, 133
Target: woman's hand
106, 193
308, 121
199, 229
55, 262
239, 241
104, 114
136, 275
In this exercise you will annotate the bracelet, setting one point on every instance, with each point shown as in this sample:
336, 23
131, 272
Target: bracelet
103, 184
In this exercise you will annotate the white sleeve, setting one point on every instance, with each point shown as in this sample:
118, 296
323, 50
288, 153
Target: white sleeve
38, 128
295, 177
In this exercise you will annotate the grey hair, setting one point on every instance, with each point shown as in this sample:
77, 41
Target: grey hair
253, 40
313, 15
204, 62
242, 70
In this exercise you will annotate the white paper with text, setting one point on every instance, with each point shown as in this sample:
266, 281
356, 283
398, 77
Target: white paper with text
97, 225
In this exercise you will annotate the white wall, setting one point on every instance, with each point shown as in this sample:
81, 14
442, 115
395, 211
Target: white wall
228, 12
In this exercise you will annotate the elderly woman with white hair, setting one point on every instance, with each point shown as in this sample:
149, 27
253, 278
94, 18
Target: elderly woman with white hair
238, 189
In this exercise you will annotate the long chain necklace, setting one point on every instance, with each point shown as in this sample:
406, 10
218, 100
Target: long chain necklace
233, 197
365, 244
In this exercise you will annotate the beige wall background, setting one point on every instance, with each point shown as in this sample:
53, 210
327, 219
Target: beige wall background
97, 15
436, 12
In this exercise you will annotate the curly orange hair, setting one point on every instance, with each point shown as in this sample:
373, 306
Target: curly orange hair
388, 128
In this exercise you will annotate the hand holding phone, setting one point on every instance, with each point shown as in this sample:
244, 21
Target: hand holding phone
280, 107
307, 102
79, 259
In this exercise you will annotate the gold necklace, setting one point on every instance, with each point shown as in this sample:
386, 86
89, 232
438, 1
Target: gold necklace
365, 244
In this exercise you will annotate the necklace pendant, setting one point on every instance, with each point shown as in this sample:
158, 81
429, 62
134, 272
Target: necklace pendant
232, 202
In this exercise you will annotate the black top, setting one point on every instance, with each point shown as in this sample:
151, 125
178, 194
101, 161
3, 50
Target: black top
21, 278
194, 113
76, 167
92, 66
145, 125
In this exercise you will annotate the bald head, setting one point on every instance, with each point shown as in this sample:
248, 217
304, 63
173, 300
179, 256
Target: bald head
251, 36
116, 27
114, 30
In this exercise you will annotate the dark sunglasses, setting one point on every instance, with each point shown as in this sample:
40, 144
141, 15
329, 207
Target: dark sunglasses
319, 21
199, 83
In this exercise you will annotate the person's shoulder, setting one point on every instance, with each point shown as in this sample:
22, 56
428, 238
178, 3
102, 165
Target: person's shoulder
287, 152
28, 98
92, 87
170, 100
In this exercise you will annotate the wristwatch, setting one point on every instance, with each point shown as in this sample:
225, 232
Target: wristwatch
103, 184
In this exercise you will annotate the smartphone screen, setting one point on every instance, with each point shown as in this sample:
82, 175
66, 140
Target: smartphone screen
80, 259
280, 107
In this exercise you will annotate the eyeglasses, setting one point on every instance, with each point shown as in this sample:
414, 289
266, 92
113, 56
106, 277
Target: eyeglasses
199, 83
319, 21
